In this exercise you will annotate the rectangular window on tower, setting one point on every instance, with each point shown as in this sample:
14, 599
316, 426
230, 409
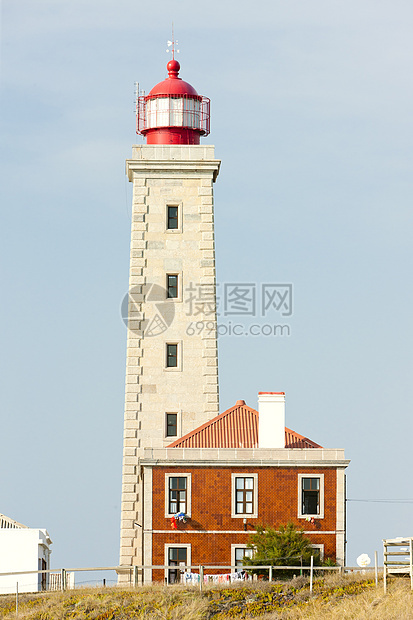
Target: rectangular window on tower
172, 355
172, 217
172, 286
171, 425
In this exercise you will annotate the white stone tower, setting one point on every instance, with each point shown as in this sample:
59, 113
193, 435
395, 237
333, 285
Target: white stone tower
172, 363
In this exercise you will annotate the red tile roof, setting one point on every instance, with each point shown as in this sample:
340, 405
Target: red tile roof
235, 428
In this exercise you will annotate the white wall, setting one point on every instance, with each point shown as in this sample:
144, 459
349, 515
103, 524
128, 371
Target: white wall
22, 550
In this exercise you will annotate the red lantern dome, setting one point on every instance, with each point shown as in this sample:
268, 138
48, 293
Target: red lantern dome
173, 112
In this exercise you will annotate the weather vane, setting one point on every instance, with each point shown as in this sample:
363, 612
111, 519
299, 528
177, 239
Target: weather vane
173, 43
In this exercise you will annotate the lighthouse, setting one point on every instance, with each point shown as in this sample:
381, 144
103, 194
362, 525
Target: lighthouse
173, 112
172, 362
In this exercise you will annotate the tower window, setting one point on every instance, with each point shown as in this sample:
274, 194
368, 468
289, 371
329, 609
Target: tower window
171, 355
172, 218
171, 424
171, 286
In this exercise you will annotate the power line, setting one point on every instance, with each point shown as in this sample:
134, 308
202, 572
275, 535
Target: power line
383, 501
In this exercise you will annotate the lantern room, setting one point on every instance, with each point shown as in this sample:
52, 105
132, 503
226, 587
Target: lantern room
173, 112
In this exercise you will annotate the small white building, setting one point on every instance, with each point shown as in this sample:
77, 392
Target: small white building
23, 549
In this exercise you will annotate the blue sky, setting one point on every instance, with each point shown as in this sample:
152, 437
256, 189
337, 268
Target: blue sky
311, 116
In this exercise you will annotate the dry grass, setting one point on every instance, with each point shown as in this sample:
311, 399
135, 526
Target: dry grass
336, 597
151, 602
370, 604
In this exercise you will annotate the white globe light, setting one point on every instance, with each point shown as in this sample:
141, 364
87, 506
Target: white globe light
363, 560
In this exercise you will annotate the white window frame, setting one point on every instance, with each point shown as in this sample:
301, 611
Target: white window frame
171, 438
178, 367
234, 514
321, 549
188, 477
233, 547
178, 230
176, 546
301, 477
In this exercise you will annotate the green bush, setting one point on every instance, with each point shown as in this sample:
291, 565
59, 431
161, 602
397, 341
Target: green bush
284, 546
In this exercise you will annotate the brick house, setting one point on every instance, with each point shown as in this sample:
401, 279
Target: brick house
240, 469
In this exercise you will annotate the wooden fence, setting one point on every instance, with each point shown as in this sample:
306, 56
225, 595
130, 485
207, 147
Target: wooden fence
64, 578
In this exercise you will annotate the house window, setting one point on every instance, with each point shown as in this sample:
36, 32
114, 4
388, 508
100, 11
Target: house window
172, 218
171, 286
244, 495
177, 494
239, 554
318, 551
311, 496
171, 424
244, 500
177, 556
172, 356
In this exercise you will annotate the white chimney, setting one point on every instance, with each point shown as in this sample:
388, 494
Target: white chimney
271, 419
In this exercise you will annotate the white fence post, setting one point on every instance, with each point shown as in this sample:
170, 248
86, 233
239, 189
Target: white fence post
376, 569
311, 573
201, 577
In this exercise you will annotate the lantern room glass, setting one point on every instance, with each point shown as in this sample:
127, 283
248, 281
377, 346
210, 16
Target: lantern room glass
173, 112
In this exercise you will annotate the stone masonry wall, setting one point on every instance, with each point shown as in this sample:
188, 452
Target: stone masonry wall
180, 176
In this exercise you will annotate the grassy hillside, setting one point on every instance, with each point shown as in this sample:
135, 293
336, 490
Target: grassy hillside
333, 597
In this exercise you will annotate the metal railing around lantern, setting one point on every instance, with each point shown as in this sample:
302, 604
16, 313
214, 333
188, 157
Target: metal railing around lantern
182, 111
